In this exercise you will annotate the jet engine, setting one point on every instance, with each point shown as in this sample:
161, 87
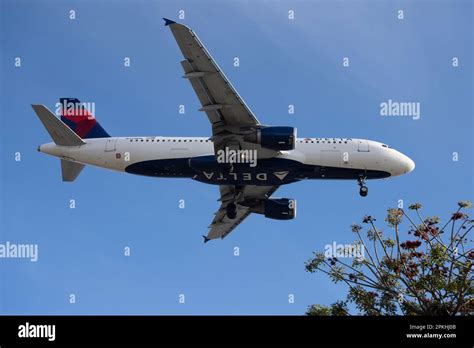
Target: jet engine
276, 208
274, 138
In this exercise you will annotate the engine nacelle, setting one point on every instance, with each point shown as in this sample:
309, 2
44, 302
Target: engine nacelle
280, 208
275, 138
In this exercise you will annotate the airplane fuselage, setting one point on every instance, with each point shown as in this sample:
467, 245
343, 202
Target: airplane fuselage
195, 158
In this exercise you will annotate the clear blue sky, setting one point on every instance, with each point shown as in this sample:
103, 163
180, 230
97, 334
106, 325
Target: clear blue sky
282, 62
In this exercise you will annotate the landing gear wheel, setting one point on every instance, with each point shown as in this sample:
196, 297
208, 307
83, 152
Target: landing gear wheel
363, 189
231, 211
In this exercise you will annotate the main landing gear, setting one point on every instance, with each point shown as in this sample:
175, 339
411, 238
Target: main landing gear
231, 207
231, 211
363, 189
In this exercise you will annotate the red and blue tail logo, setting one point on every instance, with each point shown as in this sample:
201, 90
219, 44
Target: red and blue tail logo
76, 116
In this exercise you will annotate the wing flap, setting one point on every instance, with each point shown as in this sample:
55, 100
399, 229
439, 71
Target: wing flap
204, 96
221, 225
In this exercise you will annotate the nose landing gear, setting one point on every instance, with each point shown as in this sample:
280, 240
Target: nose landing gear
364, 190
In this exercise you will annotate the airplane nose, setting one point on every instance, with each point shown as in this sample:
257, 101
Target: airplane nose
406, 164
401, 164
409, 165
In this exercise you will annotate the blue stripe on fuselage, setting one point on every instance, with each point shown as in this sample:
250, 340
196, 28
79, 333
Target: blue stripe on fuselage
272, 171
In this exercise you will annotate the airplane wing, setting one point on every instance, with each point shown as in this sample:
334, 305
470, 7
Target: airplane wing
221, 226
225, 109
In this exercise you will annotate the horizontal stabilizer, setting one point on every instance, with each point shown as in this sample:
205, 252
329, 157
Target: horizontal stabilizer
70, 170
59, 132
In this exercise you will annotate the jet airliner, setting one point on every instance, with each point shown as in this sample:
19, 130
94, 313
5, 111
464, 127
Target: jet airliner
256, 158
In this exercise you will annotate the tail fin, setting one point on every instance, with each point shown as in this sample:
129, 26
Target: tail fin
60, 133
80, 120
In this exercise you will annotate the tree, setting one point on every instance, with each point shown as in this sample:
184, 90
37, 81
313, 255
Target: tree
430, 273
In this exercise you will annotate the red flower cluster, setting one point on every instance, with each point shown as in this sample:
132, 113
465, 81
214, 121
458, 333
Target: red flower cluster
411, 244
412, 270
458, 216
416, 254
425, 232
372, 294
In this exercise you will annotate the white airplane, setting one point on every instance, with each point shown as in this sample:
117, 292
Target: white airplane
248, 160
